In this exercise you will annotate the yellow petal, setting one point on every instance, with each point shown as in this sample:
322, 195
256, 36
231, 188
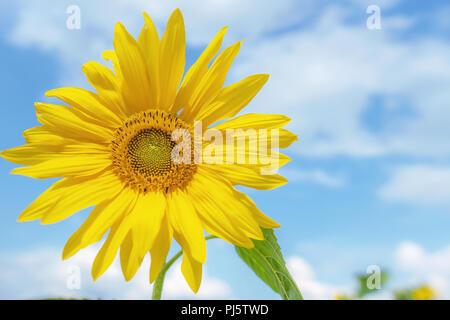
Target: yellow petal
196, 73
99, 221
72, 124
109, 249
192, 271
125, 252
136, 89
184, 221
107, 86
232, 99
110, 55
243, 152
215, 219
149, 211
71, 195
211, 84
271, 138
282, 159
31, 154
223, 192
100, 77
88, 103
160, 249
171, 59
149, 43
43, 135
255, 121
263, 220
249, 176
286, 138
75, 165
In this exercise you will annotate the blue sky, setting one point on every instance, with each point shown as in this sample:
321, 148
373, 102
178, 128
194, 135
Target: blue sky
370, 176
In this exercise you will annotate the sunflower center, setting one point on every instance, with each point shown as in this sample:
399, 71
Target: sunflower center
142, 152
150, 152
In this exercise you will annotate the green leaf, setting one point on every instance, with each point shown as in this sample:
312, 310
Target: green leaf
363, 289
266, 260
403, 294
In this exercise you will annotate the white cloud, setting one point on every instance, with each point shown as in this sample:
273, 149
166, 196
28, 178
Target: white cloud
418, 184
316, 176
324, 76
42, 274
423, 267
43, 24
305, 277
175, 287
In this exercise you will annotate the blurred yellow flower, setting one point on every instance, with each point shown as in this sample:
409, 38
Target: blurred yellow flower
340, 296
424, 293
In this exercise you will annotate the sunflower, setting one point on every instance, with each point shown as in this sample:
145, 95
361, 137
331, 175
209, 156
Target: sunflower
423, 293
114, 151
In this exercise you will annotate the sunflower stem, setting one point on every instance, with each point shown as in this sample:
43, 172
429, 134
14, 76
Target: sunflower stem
159, 283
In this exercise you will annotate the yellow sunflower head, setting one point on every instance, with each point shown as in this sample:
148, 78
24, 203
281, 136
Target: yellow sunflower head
424, 293
147, 152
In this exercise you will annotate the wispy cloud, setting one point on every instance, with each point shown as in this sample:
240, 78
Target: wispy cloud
418, 184
325, 74
305, 277
315, 176
42, 274
425, 267
43, 24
